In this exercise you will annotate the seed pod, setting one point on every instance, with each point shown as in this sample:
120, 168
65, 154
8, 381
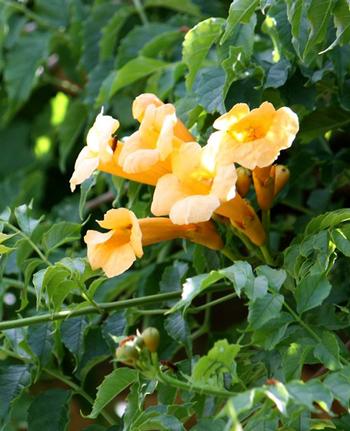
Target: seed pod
127, 354
151, 339
244, 180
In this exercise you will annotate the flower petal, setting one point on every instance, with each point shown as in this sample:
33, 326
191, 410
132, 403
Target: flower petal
194, 209
227, 120
141, 102
224, 184
120, 260
86, 163
168, 191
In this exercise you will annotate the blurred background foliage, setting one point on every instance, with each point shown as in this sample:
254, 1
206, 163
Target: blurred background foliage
62, 60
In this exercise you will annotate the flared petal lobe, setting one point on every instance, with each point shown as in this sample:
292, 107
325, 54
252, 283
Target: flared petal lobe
254, 138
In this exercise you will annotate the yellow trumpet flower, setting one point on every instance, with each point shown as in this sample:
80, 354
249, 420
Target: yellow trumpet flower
195, 188
102, 153
160, 132
116, 250
254, 138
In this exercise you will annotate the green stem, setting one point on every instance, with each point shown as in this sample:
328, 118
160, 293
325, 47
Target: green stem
203, 390
266, 221
212, 303
66, 314
78, 390
10, 282
141, 11
229, 254
27, 238
28, 13
266, 255
302, 323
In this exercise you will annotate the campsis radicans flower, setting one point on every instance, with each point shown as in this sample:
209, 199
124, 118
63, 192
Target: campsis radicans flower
116, 250
254, 138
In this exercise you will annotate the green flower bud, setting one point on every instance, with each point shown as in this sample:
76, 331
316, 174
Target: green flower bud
151, 339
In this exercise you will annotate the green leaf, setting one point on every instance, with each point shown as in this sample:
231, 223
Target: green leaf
341, 16
111, 31
275, 277
61, 233
197, 44
134, 70
312, 291
327, 351
341, 238
85, 188
327, 220
306, 394
54, 12
219, 360
264, 309
23, 61
135, 42
111, 386
13, 380
186, 6
70, 129
209, 88
339, 384
72, 333
300, 26
40, 340
24, 219
240, 12
57, 284
321, 121
278, 74
319, 13
50, 410
272, 332
178, 329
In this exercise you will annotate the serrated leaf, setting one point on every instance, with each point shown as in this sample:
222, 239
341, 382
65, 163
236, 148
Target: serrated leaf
197, 44
327, 351
50, 410
240, 12
72, 333
40, 341
318, 13
111, 386
70, 129
134, 70
13, 380
209, 88
178, 329
341, 16
264, 309
341, 238
275, 277
111, 30
25, 220
61, 233
312, 291
277, 75
327, 220
186, 6
219, 360
339, 384
23, 61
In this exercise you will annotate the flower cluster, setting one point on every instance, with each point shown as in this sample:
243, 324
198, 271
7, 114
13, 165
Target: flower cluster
192, 183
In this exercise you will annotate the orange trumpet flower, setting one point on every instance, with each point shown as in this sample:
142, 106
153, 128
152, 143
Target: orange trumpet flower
116, 250
254, 138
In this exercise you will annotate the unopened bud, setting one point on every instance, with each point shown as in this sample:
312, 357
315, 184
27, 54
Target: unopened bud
127, 354
281, 178
244, 180
151, 339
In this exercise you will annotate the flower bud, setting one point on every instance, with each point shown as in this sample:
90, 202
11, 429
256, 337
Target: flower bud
264, 184
244, 180
151, 339
128, 354
281, 178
